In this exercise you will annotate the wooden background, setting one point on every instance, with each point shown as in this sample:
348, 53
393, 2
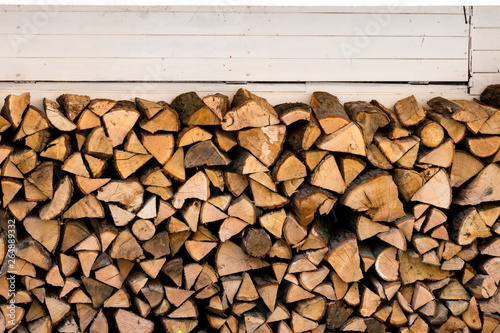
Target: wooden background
281, 53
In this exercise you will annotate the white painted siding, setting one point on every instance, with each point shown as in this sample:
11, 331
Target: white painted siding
485, 48
263, 44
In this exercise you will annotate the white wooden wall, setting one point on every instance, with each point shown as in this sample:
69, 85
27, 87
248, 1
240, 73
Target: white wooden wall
284, 53
485, 48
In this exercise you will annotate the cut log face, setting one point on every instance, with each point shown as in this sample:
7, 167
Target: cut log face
218, 103
241, 229
265, 143
327, 175
249, 110
289, 167
343, 255
230, 259
14, 107
369, 117
161, 146
205, 153
193, 111
329, 112
348, 139
464, 167
118, 124
431, 134
436, 191
377, 195
409, 111
292, 112
56, 117
195, 187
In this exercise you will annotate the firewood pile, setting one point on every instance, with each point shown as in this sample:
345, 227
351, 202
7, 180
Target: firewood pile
211, 215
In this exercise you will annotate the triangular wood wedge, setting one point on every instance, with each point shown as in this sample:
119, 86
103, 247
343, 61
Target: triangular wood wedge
265, 198
196, 187
199, 250
119, 123
209, 213
231, 259
41, 178
249, 110
436, 191
88, 206
265, 143
246, 163
177, 296
175, 166
57, 149
56, 117
348, 139
205, 153
191, 135
89, 185
441, 156
161, 146
327, 175
74, 164
288, 167
231, 227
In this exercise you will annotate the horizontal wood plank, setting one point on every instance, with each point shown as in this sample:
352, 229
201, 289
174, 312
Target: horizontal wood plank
275, 70
485, 61
486, 16
231, 7
232, 23
241, 47
485, 39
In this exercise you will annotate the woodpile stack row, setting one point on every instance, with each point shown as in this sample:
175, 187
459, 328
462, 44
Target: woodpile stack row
205, 215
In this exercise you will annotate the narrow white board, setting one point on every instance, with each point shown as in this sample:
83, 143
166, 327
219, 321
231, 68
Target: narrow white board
255, 70
266, 23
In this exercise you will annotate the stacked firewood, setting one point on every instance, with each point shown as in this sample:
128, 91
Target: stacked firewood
211, 215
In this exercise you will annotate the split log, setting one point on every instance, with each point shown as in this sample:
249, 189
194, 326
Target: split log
377, 194
409, 111
369, 117
348, 139
205, 153
480, 188
343, 255
14, 108
265, 143
193, 111
56, 117
329, 112
249, 110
